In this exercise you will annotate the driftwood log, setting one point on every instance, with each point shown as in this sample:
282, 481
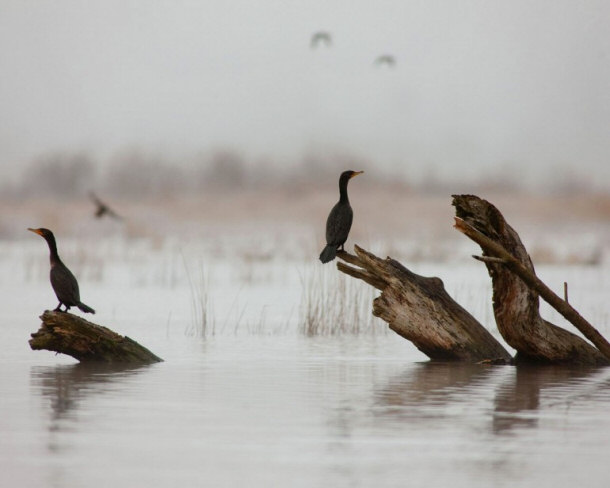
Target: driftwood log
419, 309
69, 334
516, 289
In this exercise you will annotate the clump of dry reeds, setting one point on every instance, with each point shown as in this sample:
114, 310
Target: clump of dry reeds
332, 304
203, 322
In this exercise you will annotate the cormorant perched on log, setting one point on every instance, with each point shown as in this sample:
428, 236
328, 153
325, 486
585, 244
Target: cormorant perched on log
339, 220
62, 280
103, 209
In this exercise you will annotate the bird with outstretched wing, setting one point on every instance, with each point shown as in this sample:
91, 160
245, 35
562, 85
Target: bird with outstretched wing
321, 37
103, 209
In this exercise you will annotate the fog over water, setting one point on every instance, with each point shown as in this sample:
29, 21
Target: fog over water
177, 114
479, 87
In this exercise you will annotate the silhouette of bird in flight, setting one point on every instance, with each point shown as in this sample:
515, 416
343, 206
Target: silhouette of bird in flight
339, 220
63, 281
321, 37
103, 209
386, 59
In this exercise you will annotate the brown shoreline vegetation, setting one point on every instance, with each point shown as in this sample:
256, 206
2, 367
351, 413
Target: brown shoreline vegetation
223, 189
401, 206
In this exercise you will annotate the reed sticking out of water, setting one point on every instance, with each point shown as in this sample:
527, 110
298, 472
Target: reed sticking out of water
203, 322
333, 305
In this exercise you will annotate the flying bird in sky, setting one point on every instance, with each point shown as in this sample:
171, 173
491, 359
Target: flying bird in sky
386, 59
103, 209
321, 37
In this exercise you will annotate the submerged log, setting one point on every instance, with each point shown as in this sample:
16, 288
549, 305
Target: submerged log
69, 334
516, 289
419, 309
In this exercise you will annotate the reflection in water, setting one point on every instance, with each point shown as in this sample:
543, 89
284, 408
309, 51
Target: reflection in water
430, 383
354, 418
404, 404
518, 399
67, 385
340, 414
518, 390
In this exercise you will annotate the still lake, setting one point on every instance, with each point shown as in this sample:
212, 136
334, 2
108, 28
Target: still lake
259, 404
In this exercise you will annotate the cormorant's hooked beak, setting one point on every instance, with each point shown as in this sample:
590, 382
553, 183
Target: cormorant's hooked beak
35, 231
356, 173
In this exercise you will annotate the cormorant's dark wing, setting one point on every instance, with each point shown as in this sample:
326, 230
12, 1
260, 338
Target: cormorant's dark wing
95, 199
113, 214
338, 224
64, 284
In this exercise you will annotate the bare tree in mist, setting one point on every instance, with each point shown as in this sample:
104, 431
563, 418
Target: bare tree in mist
59, 174
322, 169
569, 181
134, 174
226, 169
267, 173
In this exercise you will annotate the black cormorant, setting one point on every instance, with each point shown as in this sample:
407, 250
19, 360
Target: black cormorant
385, 59
321, 37
339, 220
62, 280
103, 209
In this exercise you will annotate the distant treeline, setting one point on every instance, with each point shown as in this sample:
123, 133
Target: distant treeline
135, 173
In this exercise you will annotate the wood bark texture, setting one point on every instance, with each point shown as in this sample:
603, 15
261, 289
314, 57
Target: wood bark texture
88, 342
419, 309
516, 290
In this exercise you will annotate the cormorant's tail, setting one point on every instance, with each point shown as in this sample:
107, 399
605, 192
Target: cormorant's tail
328, 253
85, 308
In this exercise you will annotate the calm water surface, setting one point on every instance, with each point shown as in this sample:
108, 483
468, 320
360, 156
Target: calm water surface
280, 409
285, 411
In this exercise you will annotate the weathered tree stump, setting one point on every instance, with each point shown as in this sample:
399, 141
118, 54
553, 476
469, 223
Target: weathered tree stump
70, 334
419, 309
516, 289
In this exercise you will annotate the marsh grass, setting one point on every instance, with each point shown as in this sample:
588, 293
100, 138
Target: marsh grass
203, 323
333, 304
264, 325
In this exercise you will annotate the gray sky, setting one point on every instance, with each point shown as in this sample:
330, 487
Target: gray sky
478, 85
